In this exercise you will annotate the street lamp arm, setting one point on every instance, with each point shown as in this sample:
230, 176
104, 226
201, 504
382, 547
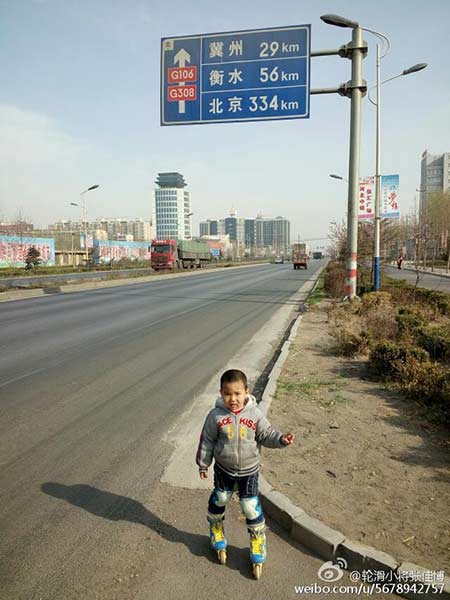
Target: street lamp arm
413, 69
334, 176
93, 187
384, 38
391, 78
381, 83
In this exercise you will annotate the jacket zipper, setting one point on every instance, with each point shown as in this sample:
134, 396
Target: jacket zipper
236, 436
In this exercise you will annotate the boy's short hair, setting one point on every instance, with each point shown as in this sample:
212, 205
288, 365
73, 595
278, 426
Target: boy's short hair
233, 375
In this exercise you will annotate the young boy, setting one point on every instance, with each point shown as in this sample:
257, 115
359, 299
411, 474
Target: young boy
232, 434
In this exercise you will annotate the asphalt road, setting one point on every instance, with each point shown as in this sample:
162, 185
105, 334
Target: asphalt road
90, 385
429, 281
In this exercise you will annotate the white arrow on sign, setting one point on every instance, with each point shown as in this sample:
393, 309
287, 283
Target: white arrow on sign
182, 57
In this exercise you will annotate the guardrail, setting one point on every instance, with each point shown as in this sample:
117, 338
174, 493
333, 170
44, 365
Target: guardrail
33, 281
49, 280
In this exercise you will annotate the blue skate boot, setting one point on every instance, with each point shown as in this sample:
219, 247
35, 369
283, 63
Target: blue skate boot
258, 549
217, 539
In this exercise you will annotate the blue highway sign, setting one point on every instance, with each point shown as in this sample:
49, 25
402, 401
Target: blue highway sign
256, 75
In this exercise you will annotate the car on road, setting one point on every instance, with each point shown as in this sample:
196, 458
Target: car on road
278, 260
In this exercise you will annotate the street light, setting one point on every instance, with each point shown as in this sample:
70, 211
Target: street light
84, 217
413, 69
334, 176
356, 87
188, 217
357, 47
339, 21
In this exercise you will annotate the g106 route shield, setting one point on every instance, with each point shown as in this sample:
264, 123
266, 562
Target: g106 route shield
255, 75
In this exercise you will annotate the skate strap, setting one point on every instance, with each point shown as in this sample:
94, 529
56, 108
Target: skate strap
257, 543
217, 531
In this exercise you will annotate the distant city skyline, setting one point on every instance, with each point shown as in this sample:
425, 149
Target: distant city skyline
256, 232
77, 114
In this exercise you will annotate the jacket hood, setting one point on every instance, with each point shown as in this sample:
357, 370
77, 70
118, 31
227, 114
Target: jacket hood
250, 402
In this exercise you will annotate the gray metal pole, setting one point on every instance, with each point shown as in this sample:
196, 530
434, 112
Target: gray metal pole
73, 261
353, 169
85, 231
376, 241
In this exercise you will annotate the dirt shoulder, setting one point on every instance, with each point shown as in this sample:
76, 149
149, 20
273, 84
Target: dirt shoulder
366, 461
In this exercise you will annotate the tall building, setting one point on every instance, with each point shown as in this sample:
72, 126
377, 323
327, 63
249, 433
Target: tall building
212, 227
434, 174
235, 227
252, 233
274, 233
171, 207
281, 234
249, 233
205, 228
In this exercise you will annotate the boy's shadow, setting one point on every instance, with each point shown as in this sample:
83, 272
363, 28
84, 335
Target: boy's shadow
121, 508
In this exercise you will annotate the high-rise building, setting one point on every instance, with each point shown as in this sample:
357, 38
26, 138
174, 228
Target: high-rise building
212, 227
434, 174
260, 232
141, 230
281, 234
171, 207
274, 233
205, 228
235, 227
249, 233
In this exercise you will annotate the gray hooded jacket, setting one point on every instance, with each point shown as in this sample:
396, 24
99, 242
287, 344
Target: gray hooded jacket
234, 439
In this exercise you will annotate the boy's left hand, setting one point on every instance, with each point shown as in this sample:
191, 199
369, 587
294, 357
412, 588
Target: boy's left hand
288, 439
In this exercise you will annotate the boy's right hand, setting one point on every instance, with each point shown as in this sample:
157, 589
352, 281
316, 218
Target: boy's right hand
203, 474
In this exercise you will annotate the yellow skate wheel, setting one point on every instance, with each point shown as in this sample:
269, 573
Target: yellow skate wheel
222, 556
257, 570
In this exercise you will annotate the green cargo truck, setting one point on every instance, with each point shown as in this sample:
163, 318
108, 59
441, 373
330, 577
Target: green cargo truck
179, 254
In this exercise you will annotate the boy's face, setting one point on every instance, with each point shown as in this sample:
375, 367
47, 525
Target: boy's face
234, 395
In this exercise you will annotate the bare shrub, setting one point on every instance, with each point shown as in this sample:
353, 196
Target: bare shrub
380, 324
334, 280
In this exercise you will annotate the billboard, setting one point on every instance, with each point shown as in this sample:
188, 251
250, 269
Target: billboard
106, 251
389, 208
90, 241
13, 250
389, 196
366, 198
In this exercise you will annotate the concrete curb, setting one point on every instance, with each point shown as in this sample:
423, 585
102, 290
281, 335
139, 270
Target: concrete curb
324, 541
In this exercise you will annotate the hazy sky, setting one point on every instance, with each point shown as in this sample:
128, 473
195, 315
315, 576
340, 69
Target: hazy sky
79, 105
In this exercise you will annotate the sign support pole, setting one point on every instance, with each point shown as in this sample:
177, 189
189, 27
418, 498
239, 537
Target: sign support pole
357, 84
376, 242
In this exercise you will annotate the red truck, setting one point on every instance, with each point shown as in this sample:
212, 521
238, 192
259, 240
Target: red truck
171, 254
300, 255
